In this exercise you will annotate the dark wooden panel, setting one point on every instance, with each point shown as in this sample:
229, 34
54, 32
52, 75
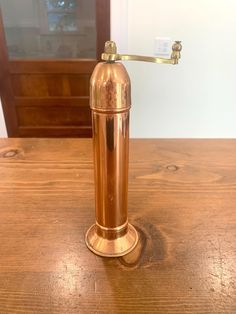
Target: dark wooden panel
51, 101
56, 131
77, 66
54, 116
103, 25
42, 85
79, 84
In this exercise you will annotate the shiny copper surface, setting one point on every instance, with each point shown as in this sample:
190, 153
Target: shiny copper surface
110, 88
119, 246
111, 149
110, 104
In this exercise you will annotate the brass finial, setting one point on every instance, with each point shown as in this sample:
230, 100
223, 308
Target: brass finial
110, 47
176, 48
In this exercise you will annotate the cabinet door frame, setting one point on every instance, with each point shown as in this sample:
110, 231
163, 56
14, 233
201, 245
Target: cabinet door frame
6, 91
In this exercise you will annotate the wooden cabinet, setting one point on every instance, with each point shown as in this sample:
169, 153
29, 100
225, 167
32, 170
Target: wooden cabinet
48, 96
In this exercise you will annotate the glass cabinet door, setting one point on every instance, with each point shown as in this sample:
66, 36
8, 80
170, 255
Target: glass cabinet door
48, 29
48, 50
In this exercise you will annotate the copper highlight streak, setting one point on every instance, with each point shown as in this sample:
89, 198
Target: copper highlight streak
111, 156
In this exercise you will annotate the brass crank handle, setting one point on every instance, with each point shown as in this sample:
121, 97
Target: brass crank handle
111, 55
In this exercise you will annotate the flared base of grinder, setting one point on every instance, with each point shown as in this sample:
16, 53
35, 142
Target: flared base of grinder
115, 247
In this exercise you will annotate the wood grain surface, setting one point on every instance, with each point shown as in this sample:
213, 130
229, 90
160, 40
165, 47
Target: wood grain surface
182, 199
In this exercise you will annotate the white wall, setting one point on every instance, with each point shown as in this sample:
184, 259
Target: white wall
197, 98
3, 131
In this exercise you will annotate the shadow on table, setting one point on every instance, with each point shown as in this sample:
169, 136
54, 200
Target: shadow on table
132, 279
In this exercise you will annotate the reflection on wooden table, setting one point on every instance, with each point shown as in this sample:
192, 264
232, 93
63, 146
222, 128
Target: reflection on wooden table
181, 199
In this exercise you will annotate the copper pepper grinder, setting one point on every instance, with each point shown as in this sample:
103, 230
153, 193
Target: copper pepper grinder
112, 235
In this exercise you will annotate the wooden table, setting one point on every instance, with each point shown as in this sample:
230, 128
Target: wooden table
182, 199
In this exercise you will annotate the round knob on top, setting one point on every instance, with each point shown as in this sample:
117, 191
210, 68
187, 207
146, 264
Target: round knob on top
110, 47
177, 46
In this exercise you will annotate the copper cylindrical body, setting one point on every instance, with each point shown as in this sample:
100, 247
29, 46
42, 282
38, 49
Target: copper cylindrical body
110, 103
111, 156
